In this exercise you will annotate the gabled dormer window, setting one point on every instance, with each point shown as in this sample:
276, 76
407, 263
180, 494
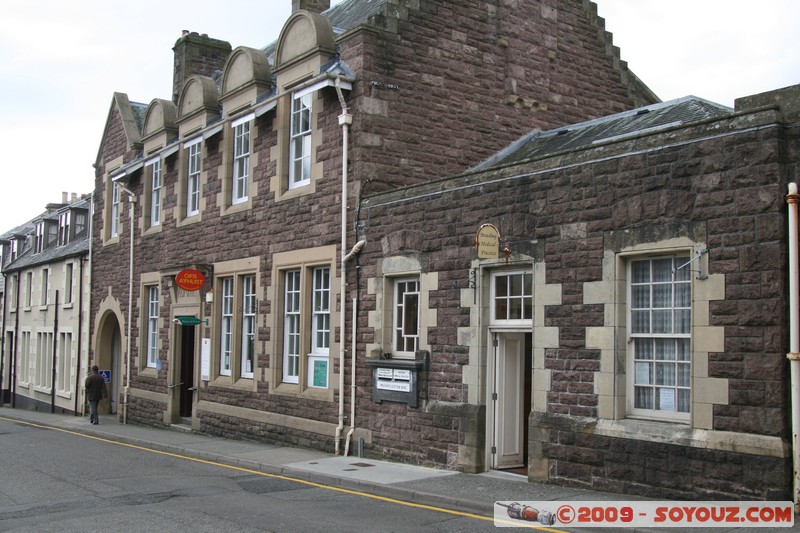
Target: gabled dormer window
63, 228
38, 239
13, 252
79, 224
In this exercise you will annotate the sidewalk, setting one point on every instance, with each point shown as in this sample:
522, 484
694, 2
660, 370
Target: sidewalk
471, 493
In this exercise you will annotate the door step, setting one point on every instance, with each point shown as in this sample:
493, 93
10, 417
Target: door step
184, 425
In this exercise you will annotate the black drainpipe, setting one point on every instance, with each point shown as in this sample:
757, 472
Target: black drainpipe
55, 360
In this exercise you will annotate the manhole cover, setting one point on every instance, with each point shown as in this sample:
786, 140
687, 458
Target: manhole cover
362, 465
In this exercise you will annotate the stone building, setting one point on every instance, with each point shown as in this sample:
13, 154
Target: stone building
602, 305
45, 304
224, 237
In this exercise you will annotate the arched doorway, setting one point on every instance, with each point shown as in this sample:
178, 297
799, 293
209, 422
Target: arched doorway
108, 356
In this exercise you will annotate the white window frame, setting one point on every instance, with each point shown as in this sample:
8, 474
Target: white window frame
28, 289
226, 326
63, 228
114, 229
44, 296
321, 311
512, 301
300, 140
69, 274
64, 362
24, 363
193, 169
292, 308
666, 370
38, 242
241, 160
155, 191
405, 332
248, 347
44, 360
152, 325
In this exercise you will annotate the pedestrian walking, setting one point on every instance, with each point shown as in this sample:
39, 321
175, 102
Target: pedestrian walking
95, 391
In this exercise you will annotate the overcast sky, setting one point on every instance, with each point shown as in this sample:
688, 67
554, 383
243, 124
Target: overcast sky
62, 61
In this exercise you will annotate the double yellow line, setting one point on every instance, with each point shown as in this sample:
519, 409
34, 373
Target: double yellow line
301, 481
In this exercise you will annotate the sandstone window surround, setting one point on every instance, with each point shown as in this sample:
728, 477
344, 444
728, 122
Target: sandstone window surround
394, 272
304, 295
69, 281
28, 290
237, 329
235, 343
616, 381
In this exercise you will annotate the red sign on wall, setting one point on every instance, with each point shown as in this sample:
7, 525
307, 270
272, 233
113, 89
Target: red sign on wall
190, 280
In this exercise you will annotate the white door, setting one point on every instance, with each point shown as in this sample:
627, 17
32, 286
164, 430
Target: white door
508, 448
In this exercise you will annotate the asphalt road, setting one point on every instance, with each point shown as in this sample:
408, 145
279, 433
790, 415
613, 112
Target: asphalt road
58, 481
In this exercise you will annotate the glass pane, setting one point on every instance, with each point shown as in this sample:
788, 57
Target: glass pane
665, 399
682, 274
662, 321
684, 375
411, 310
665, 349
662, 295
662, 270
501, 286
640, 321
665, 373
500, 310
516, 284
643, 397
644, 348
640, 272
527, 308
683, 321
644, 374
640, 296
683, 349
515, 309
683, 295
684, 399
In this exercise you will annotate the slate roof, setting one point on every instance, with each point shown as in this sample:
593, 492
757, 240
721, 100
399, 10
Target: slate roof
631, 123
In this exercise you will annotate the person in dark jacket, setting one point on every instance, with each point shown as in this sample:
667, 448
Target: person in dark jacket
95, 391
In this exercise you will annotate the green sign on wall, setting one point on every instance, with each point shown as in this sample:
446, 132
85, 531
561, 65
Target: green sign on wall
321, 373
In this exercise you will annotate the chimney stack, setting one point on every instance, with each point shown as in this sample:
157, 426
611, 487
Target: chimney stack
196, 54
315, 6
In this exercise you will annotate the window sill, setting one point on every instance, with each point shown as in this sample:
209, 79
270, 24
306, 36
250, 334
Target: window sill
228, 382
152, 230
67, 306
148, 372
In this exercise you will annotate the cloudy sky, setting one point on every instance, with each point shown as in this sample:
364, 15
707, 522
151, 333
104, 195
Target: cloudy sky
62, 61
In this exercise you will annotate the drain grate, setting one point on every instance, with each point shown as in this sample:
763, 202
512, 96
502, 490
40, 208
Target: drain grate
362, 465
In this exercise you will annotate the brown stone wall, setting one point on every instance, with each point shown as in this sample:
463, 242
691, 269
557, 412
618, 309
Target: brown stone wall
447, 84
721, 182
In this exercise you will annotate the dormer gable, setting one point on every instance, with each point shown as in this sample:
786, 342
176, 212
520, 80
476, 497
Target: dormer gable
246, 75
305, 35
198, 104
159, 124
